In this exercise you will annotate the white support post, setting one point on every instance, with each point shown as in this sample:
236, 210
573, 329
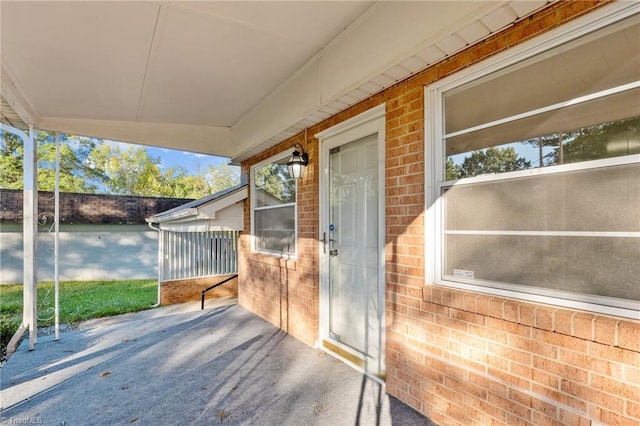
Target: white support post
30, 234
56, 275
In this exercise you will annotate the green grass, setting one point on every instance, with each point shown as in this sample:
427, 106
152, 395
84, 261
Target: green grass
79, 301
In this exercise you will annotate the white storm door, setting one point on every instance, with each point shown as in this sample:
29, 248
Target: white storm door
354, 288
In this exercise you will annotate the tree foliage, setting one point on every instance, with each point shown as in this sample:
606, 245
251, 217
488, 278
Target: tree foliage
129, 171
595, 142
605, 140
90, 165
11, 154
76, 173
132, 171
490, 160
274, 180
222, 177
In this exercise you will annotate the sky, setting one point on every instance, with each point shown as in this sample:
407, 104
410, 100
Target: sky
188, 160
172, 158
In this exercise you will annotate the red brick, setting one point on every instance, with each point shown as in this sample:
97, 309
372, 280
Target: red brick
527, 314
591, 395
605, 330
615, 387
466, 387
488, 384
457, 300
562, 398
609, 417
509, 327
470, 302
544, 407
562, 321
620, 355
496, 307
633, 409
483, 304
629, 335
560, 340
590, 363
511, 407
508, 378
560, 369
583, 326
567, 417
544, 318
511, 310
540, 419
633, 374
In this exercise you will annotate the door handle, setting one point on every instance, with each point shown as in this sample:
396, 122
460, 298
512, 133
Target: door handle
324, 244
333, 252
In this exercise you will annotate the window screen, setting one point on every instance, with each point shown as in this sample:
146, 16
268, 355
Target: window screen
274, 208
540, 185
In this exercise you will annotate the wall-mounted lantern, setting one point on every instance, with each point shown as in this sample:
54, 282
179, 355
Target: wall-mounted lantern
298, 162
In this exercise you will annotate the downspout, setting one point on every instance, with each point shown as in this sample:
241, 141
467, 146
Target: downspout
160, 258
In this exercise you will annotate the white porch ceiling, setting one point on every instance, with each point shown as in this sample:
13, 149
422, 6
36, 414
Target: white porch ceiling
220, 77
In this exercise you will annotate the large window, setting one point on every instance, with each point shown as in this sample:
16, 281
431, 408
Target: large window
538, 172
273, 207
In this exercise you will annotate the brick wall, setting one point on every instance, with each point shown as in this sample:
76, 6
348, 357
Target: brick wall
88, 208
460, 358
285, 291
468, 358
190, 289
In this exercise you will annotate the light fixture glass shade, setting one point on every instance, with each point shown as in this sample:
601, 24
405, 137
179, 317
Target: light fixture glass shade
297, 163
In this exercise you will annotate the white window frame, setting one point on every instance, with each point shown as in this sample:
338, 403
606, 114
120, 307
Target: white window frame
434, 152
272, 159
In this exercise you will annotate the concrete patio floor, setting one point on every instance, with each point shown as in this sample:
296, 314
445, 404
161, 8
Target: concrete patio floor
182, 365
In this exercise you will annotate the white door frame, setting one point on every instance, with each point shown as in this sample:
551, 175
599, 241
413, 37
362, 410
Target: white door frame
365, 124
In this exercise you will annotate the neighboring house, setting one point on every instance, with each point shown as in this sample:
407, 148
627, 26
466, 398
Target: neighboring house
198, 246
503, 298
102, 237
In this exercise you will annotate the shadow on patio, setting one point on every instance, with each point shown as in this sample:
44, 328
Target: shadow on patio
181, 365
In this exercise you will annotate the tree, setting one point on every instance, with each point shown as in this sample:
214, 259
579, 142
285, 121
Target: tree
90, 165
222, 176
183, 185
274, 179
453, 170
490, 160
610, 139
76, 174
130, 171
11, 154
